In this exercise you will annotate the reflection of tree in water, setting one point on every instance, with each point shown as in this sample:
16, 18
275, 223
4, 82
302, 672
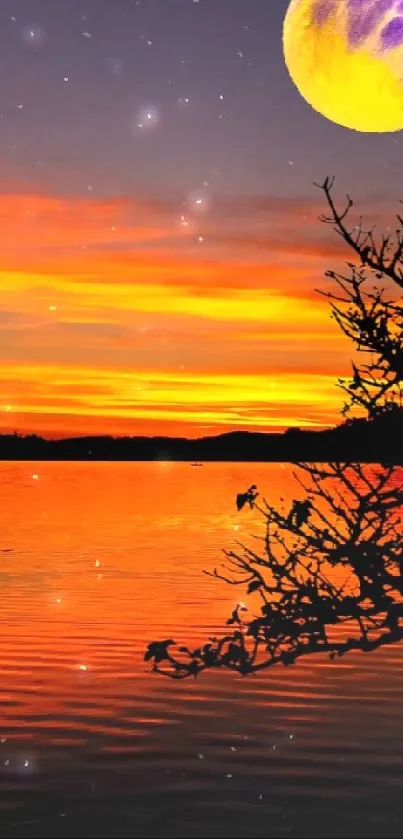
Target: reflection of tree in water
328, 574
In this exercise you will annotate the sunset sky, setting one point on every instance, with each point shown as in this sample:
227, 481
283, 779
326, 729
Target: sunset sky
160, 247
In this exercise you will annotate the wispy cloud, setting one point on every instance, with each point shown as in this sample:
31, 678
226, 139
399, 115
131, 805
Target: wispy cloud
185, 399
115, 288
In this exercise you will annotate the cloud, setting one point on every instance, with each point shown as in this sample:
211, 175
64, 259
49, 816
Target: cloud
251, 401
34, 222
93, 291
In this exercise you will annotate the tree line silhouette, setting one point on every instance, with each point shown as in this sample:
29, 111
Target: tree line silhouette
369, 440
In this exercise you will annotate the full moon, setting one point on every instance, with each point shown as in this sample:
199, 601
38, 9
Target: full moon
346, 59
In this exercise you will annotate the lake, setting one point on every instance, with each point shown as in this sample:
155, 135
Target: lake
97, 560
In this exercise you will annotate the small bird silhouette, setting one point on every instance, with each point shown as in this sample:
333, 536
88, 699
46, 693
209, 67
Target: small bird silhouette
356, 379
299, 513
247, 497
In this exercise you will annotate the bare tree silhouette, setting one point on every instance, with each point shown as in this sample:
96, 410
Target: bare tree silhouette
371, 316
328, 575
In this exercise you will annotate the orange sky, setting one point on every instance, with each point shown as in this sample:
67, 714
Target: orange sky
116, 318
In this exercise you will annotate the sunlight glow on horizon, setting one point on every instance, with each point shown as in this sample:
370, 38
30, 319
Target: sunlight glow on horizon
164, 339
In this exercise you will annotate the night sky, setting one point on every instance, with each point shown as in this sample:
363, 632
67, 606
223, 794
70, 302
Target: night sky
160, 246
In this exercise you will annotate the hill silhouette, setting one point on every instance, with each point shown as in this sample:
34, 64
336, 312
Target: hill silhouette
375, 440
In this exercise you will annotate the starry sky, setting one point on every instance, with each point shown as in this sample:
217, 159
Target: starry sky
160, 245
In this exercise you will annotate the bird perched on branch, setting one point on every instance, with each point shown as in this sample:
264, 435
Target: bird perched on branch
247, 497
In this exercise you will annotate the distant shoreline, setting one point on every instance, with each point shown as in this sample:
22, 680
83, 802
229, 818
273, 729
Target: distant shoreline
365, 441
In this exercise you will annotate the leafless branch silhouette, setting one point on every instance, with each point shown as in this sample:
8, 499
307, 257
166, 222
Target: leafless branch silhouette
371, 316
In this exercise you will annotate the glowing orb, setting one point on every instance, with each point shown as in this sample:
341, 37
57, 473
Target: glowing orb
346, 59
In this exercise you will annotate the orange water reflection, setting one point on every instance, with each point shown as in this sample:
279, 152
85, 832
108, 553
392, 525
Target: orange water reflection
99, 559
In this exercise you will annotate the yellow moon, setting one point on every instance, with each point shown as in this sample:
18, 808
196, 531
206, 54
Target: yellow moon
346, 59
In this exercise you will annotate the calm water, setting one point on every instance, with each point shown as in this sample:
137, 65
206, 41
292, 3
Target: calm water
99, 559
